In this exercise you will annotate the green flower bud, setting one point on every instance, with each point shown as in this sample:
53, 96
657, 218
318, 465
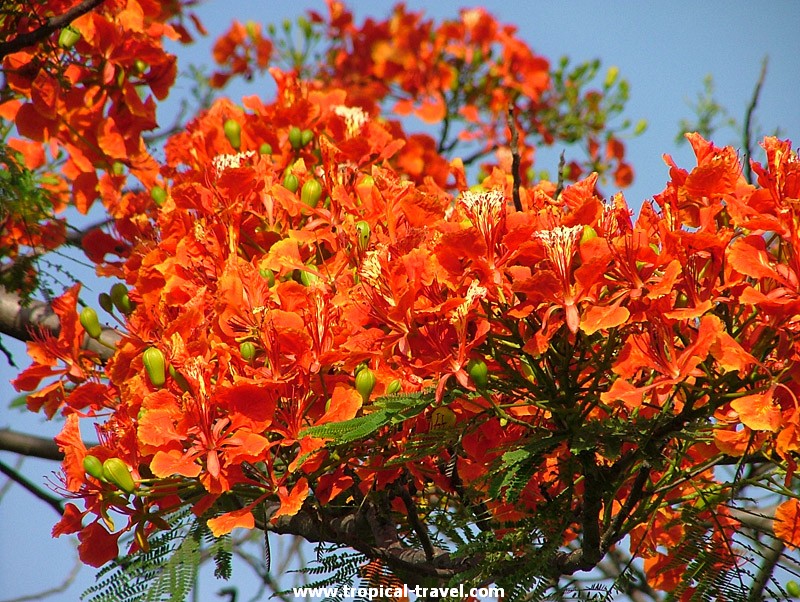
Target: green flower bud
793, 589
306, 136
104, 299
116, 472
68, 37
307, 278
90, 322
479, 373
248, 350
311, 192
120, 299
268, 275
233, 132
140, 66
179, 378
393, 387
93, 466
265, 149
443, 418
295, 137
155, 364
290, 182
159, 195
365, 383
588, 234
364, 233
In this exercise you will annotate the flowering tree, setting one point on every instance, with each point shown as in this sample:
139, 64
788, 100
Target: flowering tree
323, 330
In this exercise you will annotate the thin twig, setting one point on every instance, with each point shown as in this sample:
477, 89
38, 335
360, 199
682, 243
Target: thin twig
771, 559
52, 24
748, 117
50, 500
560, 184
58, 589
515, 159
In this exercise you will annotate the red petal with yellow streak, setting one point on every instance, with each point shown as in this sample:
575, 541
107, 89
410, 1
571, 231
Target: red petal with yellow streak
166, 464
599, 317
70, 443
758, 412
291, 501
787, 523
225, 523
345, 403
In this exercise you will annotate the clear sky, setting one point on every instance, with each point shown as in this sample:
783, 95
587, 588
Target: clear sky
664, 49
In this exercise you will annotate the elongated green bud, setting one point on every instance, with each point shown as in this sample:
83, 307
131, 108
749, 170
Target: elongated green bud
248, 350
365, 383
154, 363
295, 137
158, 194
68, 37
290, 182
393, 387
307, 278
233, 132
364, 233
268, 275
311, 192
479, 373
90, 322
115, 471
120, 299
104, 299
179, 378
93, 466
306, 136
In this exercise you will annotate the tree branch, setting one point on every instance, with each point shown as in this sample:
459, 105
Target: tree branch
29, 445
52, 24
748, 117
50, 500
19, 321
353, 530
515, 159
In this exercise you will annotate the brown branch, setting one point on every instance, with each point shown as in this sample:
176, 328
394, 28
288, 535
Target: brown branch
590, 553
52, 24
20, 321
748, 117
50, 500
560, 184
515, 159
353, 530
29, 445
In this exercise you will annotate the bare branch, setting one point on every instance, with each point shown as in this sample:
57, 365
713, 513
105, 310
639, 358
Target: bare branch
52, 24
748, 117
37, 491
515, 159
19, 321
29, 445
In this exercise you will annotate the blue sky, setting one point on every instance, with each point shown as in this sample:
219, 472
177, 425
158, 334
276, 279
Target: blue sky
664, 49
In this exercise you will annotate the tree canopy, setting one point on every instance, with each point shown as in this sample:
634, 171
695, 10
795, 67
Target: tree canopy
409, 347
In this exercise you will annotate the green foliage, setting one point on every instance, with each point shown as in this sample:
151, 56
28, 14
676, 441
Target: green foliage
709, 116
333, 567
24, 203
386, 411
165, 573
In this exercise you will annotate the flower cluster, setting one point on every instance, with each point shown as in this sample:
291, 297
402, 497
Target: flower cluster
299, 262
